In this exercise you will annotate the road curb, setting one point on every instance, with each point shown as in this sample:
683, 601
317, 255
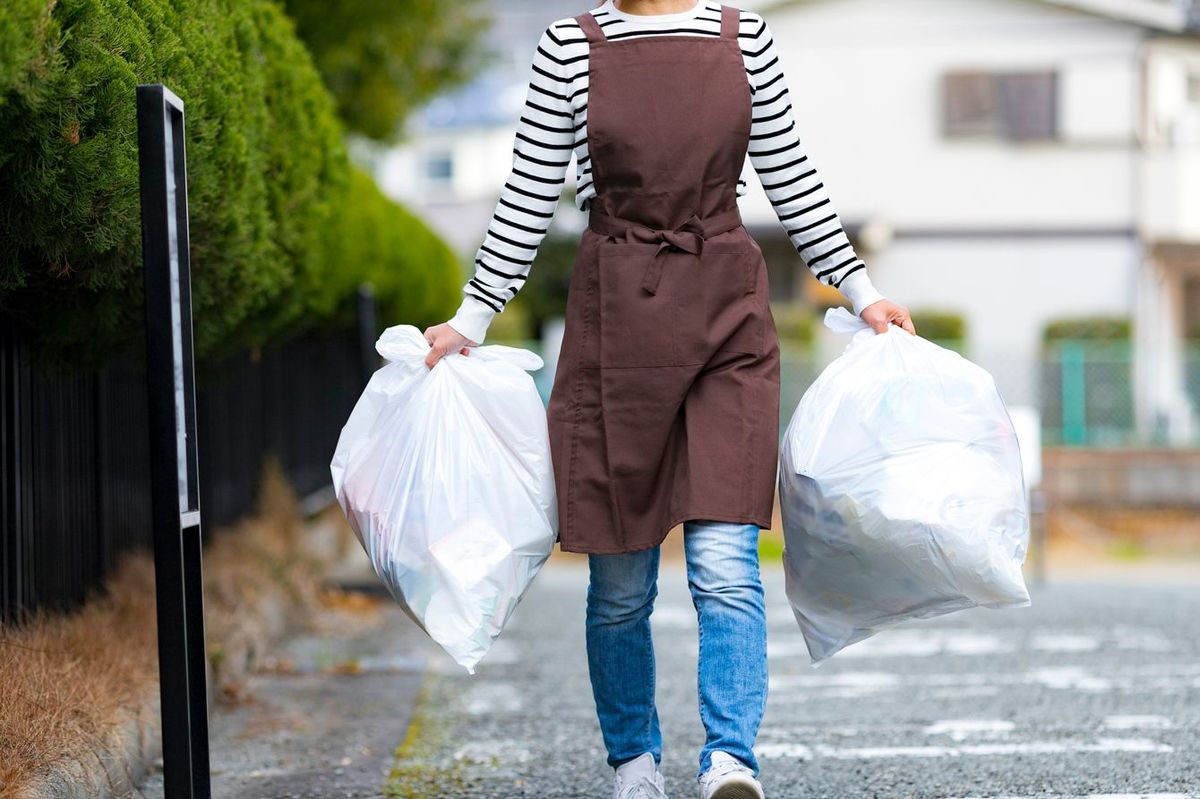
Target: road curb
117, 765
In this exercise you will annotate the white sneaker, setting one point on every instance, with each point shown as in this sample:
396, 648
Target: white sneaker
729, 778
639, 779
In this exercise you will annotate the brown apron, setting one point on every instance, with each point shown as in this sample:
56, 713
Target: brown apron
665, 403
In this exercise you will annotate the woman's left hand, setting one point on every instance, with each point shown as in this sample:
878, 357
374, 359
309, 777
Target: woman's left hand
882, 313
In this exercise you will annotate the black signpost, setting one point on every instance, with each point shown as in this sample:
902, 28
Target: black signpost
365, 314
174, 485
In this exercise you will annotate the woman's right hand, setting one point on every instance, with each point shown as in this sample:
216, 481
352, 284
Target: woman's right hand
444, 340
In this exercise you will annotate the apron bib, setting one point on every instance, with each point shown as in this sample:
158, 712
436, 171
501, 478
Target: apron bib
665, 402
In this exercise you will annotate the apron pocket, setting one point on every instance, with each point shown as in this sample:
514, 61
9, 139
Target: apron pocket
733, 284
635, 325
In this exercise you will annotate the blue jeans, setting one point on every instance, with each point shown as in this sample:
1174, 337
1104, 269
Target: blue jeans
723, 576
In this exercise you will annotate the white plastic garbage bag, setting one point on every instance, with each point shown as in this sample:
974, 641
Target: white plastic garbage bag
901, 490
446, 479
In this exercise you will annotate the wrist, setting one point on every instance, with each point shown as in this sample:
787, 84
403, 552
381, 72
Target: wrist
859, 290
472, 318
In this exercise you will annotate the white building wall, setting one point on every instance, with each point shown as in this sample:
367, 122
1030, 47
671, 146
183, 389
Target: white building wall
866, 88
1164, 411
1046, 229
1011, 287
1170, 201
1170, 219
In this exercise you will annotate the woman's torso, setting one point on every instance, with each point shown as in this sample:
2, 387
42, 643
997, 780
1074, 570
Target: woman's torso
565, 68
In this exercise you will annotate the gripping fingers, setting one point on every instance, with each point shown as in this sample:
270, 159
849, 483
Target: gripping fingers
901, 318
439, 347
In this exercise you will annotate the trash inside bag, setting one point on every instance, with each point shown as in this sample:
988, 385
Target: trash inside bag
901, 490
445, 477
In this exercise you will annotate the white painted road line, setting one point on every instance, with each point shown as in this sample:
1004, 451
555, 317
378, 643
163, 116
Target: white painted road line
1089, 796
902, 642
1136, 722
1144, 679
805, 752
959, 729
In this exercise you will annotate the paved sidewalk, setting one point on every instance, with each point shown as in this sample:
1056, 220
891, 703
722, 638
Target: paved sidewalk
1093, 690
326, 721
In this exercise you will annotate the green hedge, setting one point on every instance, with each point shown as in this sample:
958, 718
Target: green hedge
417, 276
796, 323
282, 227
939, 325
1094, 328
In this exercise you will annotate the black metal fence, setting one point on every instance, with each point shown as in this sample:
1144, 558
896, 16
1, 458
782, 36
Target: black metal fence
74, 470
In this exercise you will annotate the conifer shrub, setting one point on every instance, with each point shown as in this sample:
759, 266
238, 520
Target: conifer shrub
282, 226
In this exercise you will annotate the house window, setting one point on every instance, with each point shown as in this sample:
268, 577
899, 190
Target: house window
1193, 88
1191, 310
1017, 106
439, 167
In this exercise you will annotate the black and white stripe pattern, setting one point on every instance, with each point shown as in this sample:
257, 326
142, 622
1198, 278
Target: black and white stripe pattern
553, 126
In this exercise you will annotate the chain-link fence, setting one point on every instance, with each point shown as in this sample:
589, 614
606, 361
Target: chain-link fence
1086, 392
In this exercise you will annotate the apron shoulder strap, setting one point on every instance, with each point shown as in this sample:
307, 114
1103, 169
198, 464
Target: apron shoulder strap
730, 20
591, 28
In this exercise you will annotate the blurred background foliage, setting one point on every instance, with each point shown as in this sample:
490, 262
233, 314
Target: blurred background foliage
1090, 328
544, 295
795, 323
283, 225
382, 60
940, 326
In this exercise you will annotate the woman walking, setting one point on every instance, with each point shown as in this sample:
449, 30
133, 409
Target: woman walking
665, 403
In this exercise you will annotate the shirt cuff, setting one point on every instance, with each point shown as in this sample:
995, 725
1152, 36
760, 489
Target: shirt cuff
860, 291
472, 318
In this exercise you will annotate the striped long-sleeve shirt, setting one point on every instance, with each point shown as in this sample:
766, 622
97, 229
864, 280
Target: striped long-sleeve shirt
553, 127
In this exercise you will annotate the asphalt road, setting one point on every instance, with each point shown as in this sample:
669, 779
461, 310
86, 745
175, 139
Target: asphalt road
1092, 691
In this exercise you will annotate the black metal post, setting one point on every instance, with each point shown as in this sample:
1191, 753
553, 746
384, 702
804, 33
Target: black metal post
100, 464
173, 464
15, 593
367, 330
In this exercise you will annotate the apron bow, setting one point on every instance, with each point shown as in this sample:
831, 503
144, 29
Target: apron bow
688, 236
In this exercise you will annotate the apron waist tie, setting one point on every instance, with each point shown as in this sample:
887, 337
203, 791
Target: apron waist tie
688, 236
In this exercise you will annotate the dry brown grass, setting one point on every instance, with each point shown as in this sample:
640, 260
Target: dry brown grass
73, 686
1164, 526
260, 578
1146, 543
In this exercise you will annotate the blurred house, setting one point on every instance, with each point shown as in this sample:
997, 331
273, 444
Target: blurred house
1015, 161
459, 150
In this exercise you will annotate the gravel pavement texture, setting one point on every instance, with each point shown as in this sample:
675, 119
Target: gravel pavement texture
1092, 691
